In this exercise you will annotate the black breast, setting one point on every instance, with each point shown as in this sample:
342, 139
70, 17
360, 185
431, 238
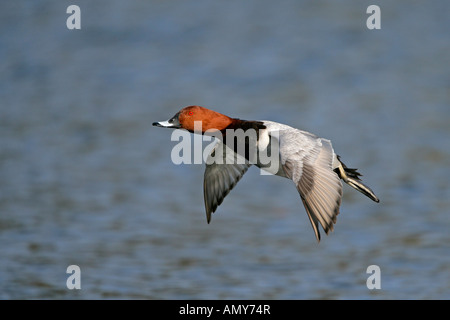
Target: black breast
243, 141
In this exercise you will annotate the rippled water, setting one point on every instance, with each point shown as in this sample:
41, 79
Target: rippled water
86, 180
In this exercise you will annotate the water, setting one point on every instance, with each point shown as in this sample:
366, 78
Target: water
86, 180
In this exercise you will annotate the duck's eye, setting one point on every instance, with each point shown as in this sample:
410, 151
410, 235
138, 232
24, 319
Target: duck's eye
190, 113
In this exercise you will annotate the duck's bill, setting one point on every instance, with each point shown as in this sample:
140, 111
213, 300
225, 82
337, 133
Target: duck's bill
171, 123
165, 124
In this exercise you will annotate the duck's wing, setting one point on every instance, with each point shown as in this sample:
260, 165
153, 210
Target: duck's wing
224, 168
308, 160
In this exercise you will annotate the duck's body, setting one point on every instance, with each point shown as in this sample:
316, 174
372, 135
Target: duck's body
309, 161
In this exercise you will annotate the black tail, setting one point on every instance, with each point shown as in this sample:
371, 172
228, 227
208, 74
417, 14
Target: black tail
351, 177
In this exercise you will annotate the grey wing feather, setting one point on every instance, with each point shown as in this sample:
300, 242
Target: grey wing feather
320, 188
221, 176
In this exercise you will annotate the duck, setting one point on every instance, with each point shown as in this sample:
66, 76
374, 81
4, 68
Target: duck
300, 156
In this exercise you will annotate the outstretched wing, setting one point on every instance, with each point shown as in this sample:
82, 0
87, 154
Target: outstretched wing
309, 165
224, 168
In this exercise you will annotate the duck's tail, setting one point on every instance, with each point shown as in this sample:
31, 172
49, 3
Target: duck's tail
351, 177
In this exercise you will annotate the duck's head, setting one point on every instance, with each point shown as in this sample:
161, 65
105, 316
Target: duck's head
196, 119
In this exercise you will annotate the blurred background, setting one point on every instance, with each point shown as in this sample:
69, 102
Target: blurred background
86, 180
